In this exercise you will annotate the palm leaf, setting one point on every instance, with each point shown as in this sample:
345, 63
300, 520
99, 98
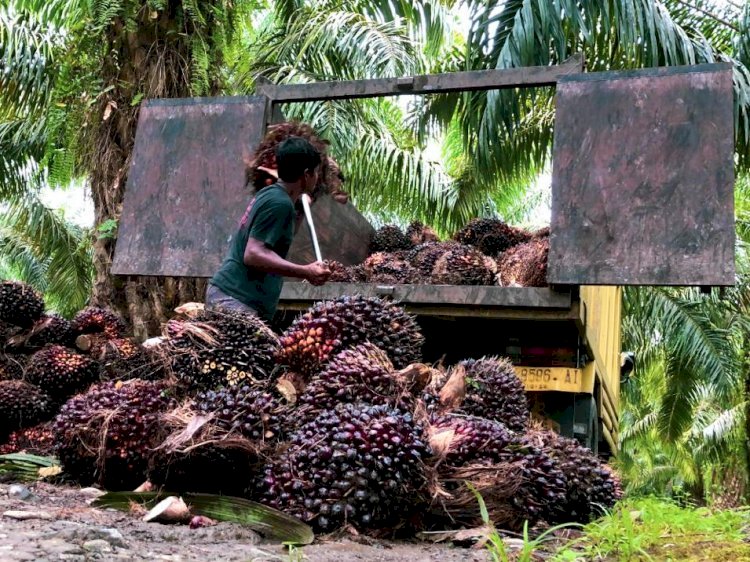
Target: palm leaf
269, 522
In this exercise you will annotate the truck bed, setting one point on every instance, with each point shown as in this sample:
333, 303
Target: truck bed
446, 300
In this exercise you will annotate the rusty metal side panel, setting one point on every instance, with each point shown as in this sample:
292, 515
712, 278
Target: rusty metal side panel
186, 186
643, 175
343, 234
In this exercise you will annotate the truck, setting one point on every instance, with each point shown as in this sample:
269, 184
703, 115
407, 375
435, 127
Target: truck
624, 213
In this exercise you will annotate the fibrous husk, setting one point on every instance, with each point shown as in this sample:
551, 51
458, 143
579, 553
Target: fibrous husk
196, 454
105, 435
525, 265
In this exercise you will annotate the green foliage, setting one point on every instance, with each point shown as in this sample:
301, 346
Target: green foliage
657, 529
40, 247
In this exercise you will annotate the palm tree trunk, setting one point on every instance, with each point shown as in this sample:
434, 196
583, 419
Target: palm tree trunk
152, 60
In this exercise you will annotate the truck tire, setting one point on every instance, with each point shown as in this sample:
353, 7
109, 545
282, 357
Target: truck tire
586, 421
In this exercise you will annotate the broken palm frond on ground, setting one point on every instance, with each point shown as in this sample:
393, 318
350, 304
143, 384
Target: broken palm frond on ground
270, 523
21, 466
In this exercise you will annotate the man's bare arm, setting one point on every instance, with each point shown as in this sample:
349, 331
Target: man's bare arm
259, 256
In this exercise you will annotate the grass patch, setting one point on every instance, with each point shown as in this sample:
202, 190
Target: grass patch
656, 529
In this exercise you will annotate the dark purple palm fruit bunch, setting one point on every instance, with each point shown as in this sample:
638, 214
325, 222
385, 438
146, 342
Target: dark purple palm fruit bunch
22, 405
359, 374
464, 265
255, 413
392, 268
461, 440
125, 358
222, 348
95, 320
332, 326
491, 236
20, 304
419, 233
61, 372
52, 329
494, 391
35, 440
424, 256
591, 486
359, 465
11, 366
389, 238
105, 435
339, 272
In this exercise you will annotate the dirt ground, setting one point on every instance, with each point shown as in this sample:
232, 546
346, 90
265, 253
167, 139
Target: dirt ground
65, 527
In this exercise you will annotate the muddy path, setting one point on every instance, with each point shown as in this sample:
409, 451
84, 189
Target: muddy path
64, 527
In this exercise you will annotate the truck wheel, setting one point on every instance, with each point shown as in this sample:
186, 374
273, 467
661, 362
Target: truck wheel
586, 421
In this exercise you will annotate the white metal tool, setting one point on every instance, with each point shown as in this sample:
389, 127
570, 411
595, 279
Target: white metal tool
308, 217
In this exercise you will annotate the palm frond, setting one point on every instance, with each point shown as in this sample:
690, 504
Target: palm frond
63, 247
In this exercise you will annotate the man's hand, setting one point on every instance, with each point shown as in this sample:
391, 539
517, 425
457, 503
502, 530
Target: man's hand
317, 273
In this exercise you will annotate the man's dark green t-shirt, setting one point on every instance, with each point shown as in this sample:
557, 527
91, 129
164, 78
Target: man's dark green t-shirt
270, 219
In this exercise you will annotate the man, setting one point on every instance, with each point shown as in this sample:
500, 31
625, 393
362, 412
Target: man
250, 278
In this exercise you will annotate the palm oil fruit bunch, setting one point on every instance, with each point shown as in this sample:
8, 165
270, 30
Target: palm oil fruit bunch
124, 358
494, 391
20, 304
213, 467
253, 412
525, 265
61, 372
35, 440
22, 405
418, 233
51, 328
331, 326
391, 268
359, 464
424, 256
389, 238
467, 440
11, 366
491, 236
591, 487
95, 320
105, 435
222, 348
362, 373
464, 265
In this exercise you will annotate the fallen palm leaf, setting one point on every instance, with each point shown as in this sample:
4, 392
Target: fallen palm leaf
23, 466
269, 522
